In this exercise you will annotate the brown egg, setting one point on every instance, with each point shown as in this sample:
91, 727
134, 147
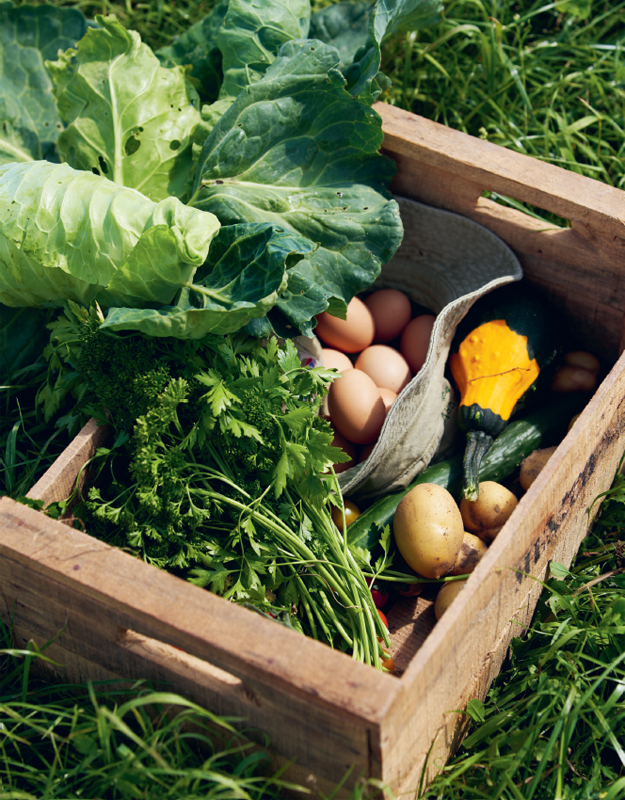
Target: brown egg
350, 335
415, 340
334, 359
356, 408
391, 311
388, 397
349, 447
386, 367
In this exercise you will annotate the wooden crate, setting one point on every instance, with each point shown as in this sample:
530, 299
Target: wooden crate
121, 617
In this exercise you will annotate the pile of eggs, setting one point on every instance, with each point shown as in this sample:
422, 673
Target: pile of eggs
377, 349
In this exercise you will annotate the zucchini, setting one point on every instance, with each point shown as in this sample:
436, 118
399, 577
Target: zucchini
517, 440
499, 351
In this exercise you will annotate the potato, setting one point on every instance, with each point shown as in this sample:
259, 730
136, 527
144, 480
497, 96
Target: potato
428, 530
488, 535
532, 466
471, 551
573, 421
447, 593
580, 358
574, 379
491, 510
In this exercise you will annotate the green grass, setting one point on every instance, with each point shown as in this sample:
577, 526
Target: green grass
157, 21
550, 85
525, 76
115, 742
28, 444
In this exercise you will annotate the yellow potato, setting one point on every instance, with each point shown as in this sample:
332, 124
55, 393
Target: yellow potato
574, 379
491, 510
532, 466
472, 550
573, 421
580, 358
488, 535
447, 593
428, 530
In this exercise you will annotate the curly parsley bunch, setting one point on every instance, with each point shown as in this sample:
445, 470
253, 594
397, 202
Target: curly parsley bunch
222, 472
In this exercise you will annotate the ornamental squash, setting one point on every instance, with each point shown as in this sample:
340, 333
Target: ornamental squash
499, 351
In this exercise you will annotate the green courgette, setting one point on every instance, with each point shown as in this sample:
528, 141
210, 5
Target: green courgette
546, 425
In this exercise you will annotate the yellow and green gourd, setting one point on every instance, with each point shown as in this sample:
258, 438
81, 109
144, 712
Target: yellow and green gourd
499, 350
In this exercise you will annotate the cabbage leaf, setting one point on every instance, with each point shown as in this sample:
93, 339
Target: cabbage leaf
388, 18
343, 25
67, 234
290, 167
296, 150
242, 279
198, 48
30, 121
129, 119
250, 38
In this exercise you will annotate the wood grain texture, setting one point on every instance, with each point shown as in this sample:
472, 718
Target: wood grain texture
489, 166
58, 482
122, 617
167, 668
410, 621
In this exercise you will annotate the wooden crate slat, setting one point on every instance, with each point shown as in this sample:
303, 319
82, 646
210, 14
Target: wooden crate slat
329, 745
575, 266
164, 607
58, 482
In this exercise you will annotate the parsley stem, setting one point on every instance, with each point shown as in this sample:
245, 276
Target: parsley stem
305, 599
334, 617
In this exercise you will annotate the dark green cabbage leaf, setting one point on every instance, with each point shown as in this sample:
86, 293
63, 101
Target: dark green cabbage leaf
344, 26
290, 164
388, 18
296, 150
241, 280
250, 37
29, 120
197, 47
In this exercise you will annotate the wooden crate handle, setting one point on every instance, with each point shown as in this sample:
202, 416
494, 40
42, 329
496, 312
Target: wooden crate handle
497, 169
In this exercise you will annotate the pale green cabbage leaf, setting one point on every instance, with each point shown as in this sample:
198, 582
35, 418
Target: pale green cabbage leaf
129, 119
67, 234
